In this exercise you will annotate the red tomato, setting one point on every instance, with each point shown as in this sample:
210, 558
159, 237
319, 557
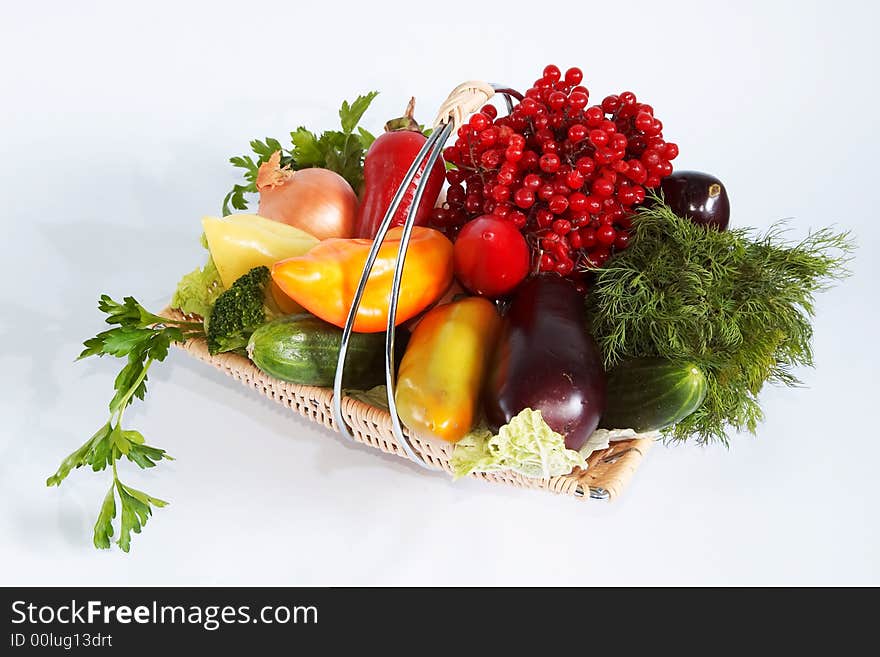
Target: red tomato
491, 256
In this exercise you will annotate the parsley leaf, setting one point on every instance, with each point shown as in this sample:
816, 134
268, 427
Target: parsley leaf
340, 151
141, 338
350, 115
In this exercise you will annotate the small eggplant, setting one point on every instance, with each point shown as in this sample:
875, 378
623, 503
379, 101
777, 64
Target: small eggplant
545, 360
700, 196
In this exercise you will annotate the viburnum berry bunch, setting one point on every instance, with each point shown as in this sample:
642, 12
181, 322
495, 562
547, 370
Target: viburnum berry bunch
567, 174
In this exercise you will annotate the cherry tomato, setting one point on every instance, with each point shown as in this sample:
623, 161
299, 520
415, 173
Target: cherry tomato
491, 256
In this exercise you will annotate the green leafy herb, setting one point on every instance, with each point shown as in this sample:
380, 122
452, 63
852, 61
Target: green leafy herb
737, 304
340, 151
141, 338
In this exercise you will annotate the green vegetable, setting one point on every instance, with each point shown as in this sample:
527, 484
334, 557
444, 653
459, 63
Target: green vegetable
142, 338
239, 311
304, 349
525, 445
647, 394
738, 306
198, 290
340, 151
377, 396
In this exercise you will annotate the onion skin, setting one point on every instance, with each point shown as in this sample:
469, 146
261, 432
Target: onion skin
318, 201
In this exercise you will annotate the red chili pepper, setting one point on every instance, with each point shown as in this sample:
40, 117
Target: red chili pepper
387, 162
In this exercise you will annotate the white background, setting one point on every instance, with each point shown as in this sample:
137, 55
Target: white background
116, 123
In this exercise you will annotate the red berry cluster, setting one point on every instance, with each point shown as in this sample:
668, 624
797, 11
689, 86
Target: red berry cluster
567, 175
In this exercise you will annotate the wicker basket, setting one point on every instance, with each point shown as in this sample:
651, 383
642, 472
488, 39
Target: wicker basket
608, 473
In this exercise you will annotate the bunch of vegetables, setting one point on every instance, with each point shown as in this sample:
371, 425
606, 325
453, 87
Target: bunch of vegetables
570, 288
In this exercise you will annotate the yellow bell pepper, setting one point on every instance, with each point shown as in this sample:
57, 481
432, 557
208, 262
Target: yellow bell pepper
441, 374
240, 242
325, 279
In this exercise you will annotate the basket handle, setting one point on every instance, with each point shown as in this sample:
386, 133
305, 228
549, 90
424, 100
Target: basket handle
465, 99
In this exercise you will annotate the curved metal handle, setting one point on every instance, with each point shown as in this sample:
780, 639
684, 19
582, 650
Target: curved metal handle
464, 99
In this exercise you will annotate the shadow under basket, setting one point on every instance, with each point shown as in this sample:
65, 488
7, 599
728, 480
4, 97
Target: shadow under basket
608, 473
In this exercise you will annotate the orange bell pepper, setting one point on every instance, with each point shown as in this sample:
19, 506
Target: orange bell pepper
324, 280
441, 374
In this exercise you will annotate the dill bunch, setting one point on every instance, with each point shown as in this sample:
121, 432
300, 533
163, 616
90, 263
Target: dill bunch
737, 304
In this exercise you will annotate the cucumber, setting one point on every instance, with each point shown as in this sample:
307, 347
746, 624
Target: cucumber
304, 349
647, 394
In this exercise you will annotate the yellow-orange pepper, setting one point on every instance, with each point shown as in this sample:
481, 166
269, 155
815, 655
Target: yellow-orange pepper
324, 280
441, 374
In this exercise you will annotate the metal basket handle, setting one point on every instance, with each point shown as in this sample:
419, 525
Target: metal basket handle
465, 99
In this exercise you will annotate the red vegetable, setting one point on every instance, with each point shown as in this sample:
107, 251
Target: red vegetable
491, 256
386, 163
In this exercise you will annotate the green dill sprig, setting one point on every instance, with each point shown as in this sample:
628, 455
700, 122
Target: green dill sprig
142, 338
737, 304
341, 151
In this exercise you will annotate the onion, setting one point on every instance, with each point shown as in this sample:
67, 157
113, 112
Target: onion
318, 201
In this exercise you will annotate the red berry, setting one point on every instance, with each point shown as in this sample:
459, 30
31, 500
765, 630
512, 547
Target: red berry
643, 121
561, 227
556, 100
621, 241
577, 132
512, 154
574, 179
544, 217
451, 154
557, 204
532, 181
603, 188
565, 267
598, 137
549, 163
670, 152
578, 101
546, 191
577, 202
588, 238
455, 194
606, 235
574, 76
585, 166
594, 116
594, 205
523, 198
552, 73
479, 122
500, 193
610, 104
528, 106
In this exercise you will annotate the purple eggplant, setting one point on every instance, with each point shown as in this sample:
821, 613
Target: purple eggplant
700, 196
545, 360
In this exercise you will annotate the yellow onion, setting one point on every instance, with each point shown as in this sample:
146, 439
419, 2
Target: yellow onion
318, 201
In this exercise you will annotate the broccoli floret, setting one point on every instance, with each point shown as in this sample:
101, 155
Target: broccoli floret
239, 311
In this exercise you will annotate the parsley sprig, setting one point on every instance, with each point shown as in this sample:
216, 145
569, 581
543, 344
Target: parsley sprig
341, 151
142, 338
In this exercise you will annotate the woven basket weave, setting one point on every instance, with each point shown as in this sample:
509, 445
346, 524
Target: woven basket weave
608, 473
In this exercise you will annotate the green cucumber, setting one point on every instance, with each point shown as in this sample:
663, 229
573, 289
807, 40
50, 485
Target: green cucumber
304, 349
647, 394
